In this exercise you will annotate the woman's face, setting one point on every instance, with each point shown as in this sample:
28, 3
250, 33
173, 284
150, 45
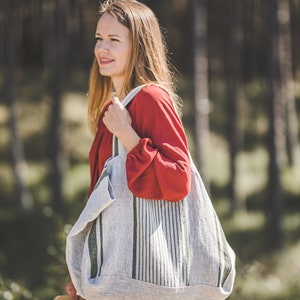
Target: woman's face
112, 49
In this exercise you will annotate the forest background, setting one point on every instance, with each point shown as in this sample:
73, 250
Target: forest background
238, 74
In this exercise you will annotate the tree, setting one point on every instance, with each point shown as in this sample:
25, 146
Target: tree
288, 86
201, 86
234, 94
276, 134
57, 71
24, 198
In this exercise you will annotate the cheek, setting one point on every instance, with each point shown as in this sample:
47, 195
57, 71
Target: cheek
127, 56
95, 49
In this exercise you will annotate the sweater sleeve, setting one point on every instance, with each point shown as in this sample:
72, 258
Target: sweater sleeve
159, 166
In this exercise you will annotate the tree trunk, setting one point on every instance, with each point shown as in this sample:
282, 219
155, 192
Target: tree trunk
295, 25
285, 58
24, 198
234, 92
56, 152
276, 136
201, 87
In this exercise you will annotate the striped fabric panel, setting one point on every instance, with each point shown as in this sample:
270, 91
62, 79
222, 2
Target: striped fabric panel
95, 246
225, 265
100, 243
160, 243
93, 249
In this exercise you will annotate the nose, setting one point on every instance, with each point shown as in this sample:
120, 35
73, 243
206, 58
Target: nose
101, 47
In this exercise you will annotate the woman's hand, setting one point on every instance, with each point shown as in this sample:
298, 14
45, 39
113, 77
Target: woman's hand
70, 290
116, 118
118, 122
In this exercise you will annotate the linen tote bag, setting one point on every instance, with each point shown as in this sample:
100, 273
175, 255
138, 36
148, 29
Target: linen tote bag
125, 247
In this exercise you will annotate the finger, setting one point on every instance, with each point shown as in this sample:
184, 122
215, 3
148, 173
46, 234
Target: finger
116, 101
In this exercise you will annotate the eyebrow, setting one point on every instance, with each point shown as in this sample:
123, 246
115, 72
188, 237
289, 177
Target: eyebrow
110, 35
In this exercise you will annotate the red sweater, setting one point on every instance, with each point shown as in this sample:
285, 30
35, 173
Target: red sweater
159, 166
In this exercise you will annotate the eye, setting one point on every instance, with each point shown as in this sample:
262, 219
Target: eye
98, 38
115, 40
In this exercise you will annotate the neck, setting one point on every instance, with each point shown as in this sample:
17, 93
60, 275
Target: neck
118, 89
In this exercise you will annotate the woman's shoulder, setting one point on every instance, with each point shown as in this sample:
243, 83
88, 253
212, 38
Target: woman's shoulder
154, 94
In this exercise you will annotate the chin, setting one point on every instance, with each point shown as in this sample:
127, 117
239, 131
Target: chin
103, 72
107, 74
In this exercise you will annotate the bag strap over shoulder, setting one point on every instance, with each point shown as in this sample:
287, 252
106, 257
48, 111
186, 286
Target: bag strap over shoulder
129, 97
125, 101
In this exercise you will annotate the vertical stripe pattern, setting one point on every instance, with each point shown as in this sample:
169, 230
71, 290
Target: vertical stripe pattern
160, 251
95, 245
93, 249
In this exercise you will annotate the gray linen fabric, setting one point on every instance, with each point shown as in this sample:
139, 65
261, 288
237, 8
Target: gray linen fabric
124, 247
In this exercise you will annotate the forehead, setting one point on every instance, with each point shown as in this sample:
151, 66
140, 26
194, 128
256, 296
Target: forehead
107, 24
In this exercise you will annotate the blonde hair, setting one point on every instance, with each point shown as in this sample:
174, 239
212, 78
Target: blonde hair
148, 62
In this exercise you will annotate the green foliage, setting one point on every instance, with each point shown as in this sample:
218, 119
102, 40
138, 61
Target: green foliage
262, 273
32, 252
10, 290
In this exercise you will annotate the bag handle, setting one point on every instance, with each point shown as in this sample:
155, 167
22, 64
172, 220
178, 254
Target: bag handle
129, 97
125, 101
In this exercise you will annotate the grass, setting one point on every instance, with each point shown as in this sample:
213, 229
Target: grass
266, 275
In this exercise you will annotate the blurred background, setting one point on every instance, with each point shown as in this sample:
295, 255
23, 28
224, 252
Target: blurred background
237, 68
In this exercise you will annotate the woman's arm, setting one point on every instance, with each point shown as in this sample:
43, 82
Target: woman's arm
158, 167
158, 164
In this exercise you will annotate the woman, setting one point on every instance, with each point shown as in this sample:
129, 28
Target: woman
138, 245
129, 51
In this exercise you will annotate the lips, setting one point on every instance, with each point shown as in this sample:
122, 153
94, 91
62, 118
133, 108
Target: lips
105, 61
